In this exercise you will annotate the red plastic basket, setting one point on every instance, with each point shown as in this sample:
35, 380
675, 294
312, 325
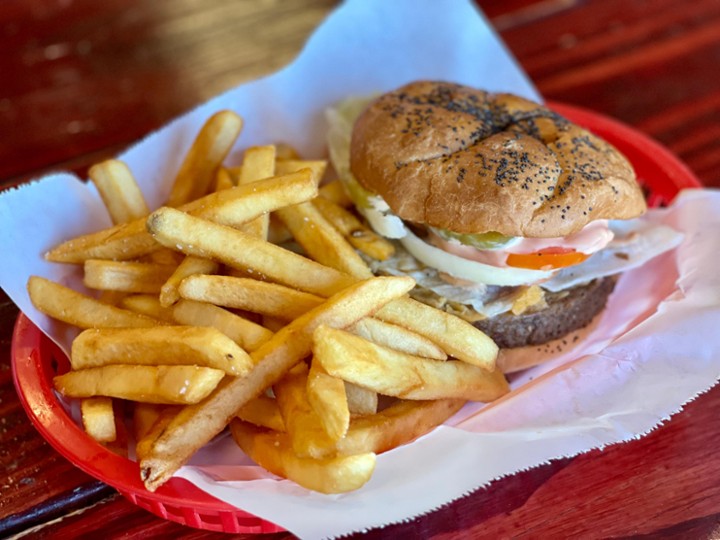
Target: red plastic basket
35, 360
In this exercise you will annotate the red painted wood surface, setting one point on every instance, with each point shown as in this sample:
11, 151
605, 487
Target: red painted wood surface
81, 80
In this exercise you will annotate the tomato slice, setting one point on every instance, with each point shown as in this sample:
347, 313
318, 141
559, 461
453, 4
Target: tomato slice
546, 259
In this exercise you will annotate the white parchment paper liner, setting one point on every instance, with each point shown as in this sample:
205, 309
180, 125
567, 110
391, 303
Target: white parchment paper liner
655, 349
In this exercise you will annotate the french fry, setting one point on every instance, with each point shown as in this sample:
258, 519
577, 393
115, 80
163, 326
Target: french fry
165, 414
244, 203
273, 452
287, 166
321, 240
398, 424
398, 374
191, 265
258, 163
395, 425
285, 151
162, 256
262, 411
120, 445
69, 306
326, 395
456, 337
360, 236
361, 401
250, 295
230, 207
316, 235
163, 345
273, 323
144, 416
147, 304
247, 334
206, 154
98, 418
126, 276
119, 191
196, 425
307, 432
124, 241
335, 193
397, 337
152, 384
277, 231
113, 298
195, 236
223, 180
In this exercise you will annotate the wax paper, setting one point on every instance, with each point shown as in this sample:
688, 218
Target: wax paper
654, 349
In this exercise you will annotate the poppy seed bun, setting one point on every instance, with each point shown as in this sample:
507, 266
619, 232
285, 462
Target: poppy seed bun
461, 159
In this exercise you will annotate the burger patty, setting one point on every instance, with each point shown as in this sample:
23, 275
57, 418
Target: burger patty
566, 311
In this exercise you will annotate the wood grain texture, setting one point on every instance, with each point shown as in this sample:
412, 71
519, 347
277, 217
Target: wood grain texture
81, 80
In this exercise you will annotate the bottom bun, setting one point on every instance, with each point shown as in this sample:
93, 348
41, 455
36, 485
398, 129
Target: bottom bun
566, 312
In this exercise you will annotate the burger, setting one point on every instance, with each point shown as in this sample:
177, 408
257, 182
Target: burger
504, 212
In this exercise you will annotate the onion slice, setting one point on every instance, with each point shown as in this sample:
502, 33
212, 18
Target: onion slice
467, 269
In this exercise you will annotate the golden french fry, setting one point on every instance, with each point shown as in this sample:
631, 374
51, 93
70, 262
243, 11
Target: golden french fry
223, 179
247, 334
316, 235
119, 191
191, 265
321, 241
397, 424
126, 276
277, 231
151, 384
258, 163
147, 304
287, 166
273, 323
67, 305
398, 374
305, 427
361, 401
196, 425
397, 337
250, 295
456, 337
144, 416
335, 193
113, 298
206, 154
163, 345
326, 395
285, 151
98, 418
263, 411
359, 235
120, 445
195, 236
163, 256
165, 414
273, 452
124, 241
230, 207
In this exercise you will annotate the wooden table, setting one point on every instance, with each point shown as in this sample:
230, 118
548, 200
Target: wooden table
81, 80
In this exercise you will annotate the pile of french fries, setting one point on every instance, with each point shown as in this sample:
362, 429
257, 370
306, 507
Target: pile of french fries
244, 302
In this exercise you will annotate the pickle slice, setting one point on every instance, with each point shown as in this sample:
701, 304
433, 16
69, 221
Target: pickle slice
486, 241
